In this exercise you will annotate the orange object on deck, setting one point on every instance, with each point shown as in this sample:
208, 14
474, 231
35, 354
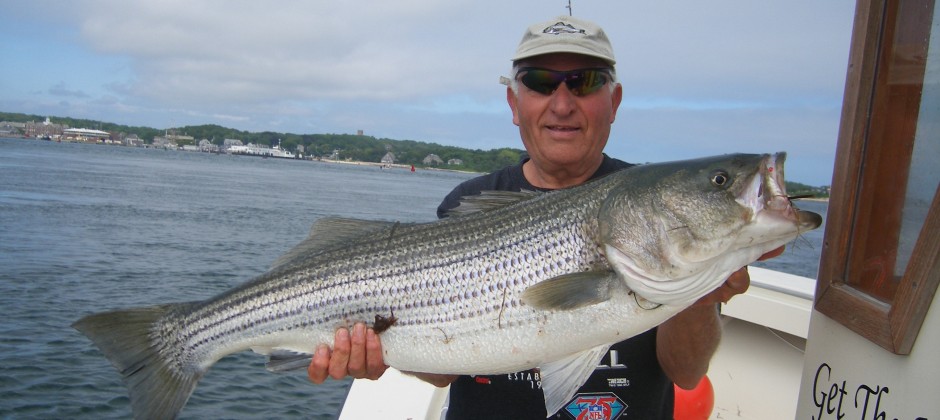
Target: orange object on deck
696, 403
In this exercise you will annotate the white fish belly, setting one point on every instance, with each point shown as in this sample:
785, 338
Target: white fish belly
494, 346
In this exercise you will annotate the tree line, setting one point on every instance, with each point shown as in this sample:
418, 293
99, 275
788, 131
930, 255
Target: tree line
348, 146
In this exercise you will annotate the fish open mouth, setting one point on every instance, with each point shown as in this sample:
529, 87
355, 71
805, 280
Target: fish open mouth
767, 192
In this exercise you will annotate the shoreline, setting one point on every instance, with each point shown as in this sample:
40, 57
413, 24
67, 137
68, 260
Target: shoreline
345, 162
391, 165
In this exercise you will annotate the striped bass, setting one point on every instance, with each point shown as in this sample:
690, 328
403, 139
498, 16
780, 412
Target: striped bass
511, 281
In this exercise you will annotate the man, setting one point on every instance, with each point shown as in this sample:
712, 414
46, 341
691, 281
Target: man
564, 97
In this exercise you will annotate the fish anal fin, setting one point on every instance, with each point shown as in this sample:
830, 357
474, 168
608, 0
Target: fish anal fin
281, 360
570, 291
562, 378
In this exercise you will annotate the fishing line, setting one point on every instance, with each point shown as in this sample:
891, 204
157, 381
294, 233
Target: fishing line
636, 298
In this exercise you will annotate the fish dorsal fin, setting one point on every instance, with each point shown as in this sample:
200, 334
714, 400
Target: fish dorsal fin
490, 200
570, 291
328, 233
562, 378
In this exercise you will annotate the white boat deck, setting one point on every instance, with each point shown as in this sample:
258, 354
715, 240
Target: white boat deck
757, 370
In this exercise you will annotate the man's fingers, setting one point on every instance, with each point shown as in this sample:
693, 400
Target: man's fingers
738, 282
357, 353
772, 254
375, 365
318, 369
340, 357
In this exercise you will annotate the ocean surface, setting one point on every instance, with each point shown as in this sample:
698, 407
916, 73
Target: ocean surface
87, 228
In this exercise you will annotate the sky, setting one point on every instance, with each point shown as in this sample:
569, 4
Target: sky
700, 78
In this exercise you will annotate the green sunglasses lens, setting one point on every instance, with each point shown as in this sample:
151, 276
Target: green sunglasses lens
579, 82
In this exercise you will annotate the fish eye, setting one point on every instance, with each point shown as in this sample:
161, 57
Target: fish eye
720, 178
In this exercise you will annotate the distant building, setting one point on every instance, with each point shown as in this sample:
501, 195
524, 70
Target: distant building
455, 162
231, 142
43, 129
8, 128
432, 159
181, 139
133, 140
164, 142
388, 159
207, 146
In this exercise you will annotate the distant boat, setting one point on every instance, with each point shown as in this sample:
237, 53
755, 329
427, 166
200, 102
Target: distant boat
263, 151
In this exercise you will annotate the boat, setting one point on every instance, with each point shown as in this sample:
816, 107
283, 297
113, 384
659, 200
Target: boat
859, 341
258, 150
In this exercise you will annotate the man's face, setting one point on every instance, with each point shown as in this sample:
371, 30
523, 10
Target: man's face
560, 129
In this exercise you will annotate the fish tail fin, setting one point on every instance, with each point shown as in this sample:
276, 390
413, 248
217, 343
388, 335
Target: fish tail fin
158, 385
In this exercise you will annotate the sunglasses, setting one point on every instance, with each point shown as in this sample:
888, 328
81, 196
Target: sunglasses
580, 82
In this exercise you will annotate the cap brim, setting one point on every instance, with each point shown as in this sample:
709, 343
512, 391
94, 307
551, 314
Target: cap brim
559, 49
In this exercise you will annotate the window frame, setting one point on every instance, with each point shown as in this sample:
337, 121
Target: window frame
890, 318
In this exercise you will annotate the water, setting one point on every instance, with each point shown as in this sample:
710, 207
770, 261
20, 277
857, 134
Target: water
802, 255
86, 228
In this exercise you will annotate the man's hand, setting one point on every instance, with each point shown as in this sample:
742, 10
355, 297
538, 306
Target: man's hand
737, 283
358, 355
686, 342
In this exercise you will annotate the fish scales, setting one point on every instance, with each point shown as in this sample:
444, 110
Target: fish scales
520, 280
376, 272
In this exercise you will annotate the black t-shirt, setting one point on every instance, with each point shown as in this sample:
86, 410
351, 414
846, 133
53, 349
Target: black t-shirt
629, 383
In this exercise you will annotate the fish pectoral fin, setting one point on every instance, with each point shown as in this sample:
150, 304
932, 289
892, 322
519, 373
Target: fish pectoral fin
570, 291
562, 378
280, 360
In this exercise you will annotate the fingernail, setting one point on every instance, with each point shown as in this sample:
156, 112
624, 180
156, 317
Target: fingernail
342, 333
359, 330
323, 350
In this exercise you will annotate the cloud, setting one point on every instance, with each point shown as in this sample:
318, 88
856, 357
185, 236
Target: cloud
204, 51
460, 104
59, 89
255, 52
726, 75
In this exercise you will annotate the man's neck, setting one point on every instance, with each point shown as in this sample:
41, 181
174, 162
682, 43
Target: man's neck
562, 177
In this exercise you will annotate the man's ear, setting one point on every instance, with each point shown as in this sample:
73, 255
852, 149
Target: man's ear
615, 97
511, 99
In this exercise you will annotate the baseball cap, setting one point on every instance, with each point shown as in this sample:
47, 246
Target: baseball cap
565, 34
